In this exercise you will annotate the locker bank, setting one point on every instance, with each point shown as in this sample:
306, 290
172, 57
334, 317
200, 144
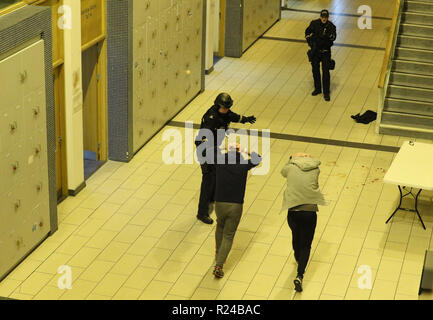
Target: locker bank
90, 90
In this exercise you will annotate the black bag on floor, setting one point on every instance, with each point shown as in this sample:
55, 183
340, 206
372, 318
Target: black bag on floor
366, 118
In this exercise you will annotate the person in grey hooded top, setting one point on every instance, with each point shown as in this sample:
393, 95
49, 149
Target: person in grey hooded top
301, 198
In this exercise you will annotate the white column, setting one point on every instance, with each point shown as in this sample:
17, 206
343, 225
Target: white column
210, 33
73, 94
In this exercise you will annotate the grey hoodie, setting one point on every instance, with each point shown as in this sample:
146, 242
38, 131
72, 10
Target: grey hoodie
302, 174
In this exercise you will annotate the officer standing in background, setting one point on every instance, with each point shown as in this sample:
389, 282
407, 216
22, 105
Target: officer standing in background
320, 35
217, 117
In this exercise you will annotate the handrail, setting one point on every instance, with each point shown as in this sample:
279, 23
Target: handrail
391, 42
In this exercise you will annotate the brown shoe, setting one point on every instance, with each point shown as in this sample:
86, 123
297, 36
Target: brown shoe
218, 272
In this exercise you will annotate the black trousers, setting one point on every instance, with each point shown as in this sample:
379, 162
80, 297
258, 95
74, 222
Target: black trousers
324, 81
207, 191
303, 226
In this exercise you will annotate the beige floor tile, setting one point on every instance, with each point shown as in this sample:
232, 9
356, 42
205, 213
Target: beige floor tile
156, 290
8, 286
156, 228
93, 201
156, 258
53, 262
129, 234
282, 294
170, 271
114, 251
330, 297
72, 245
357, 294
185, 251
200, 265
80, 290
183, 222
233, 290
311, 291
140, 278
261, 285
89, 227
171, 212
337, 285
49, 293
281, 246
186, 285
272, 265
84, 257
34, 283
325, 252
21, 296
170, 240
408, 284
389, 270
351, 246
317, 271
105, 211
256, 252
144, 217
245, 271
110, 284
97, 270
117, 222
97, 297
344, 265
199, 233
127, 264
101, 239
205, 294
131, 206
383, 290
127, 294
42, 252
142, 245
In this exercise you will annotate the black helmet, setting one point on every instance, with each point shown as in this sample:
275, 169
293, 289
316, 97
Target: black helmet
224, 100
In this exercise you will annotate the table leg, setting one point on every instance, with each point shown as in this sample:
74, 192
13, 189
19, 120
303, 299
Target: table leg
398, 207
416, 208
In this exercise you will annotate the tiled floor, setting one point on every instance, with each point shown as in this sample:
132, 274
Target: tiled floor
132, 233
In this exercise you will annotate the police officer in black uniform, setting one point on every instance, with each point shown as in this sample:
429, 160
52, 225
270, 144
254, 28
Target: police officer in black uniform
217, 117
320, 35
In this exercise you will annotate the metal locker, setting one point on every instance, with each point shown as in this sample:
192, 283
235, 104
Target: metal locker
31, 72
11, 91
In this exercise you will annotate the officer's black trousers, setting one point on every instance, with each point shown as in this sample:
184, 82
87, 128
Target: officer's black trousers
207, 191
325, 59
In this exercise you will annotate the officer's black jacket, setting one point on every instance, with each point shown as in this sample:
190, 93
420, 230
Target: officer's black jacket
214, 120
322, 35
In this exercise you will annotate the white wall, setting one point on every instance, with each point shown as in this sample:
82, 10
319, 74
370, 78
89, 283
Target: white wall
210, 33
216, 25
73, 97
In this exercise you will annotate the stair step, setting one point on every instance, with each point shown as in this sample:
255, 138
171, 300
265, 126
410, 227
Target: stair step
411, 80
410, 93
417, 18
416, 30
408, 106
414, 42
407, 119
405, 131
419, 55
419, 6
413, 67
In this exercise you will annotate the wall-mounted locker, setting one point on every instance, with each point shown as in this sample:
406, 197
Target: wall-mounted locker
163, 50
246, 21
28, 211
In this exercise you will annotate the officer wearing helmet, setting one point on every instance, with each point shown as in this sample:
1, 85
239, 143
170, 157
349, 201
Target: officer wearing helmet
218, 117
320, 36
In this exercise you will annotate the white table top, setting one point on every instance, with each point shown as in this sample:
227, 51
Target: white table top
412, 166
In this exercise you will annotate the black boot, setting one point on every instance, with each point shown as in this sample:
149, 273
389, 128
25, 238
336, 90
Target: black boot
316, 92
205, 219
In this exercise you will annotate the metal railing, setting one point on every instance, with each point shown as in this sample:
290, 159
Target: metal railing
387, 61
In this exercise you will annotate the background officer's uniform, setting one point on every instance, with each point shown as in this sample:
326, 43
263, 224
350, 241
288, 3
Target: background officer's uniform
320, 38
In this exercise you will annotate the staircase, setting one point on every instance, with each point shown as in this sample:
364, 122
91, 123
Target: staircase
408, 106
